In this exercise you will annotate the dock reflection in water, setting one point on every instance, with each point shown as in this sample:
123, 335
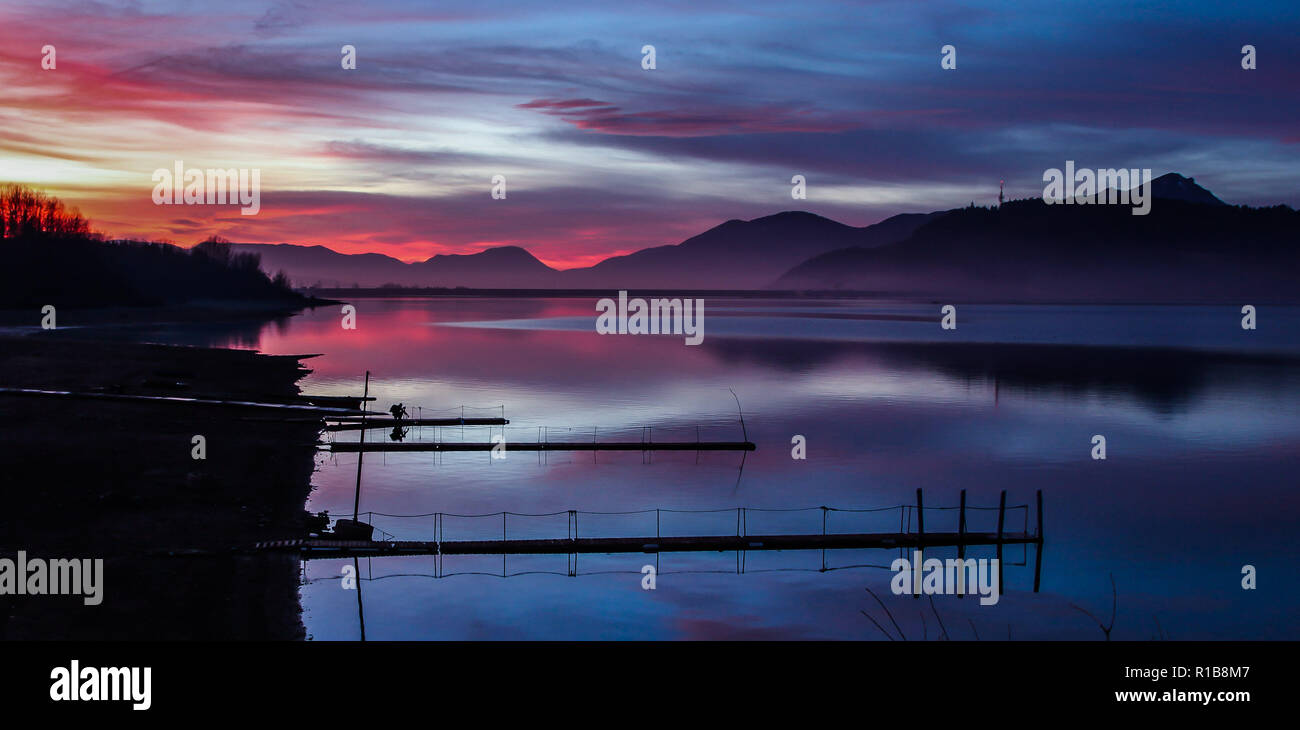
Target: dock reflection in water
1201, 418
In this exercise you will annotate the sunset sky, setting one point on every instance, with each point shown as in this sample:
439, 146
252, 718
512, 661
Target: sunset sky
603, 157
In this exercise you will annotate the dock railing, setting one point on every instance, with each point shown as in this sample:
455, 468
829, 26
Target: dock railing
741, 529
911, 520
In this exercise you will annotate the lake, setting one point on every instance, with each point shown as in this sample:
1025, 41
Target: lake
1201, 421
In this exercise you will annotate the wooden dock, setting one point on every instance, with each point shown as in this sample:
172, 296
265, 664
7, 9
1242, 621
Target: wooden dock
320, 548
294, 408
353, 402
326, 547
385, 423
353, 447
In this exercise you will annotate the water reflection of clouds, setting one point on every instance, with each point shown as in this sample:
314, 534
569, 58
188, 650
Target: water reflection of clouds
1201, 444
780, 596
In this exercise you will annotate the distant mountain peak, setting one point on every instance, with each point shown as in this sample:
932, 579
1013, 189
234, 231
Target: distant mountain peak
794, 217
509, 252
1172, 186
789, 214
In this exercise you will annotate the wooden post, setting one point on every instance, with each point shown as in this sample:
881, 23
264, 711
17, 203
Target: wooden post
823, 535
961, 527
920, 552
356, 499
1038, 553
1002, 514
961, 542
361, 614
920, 514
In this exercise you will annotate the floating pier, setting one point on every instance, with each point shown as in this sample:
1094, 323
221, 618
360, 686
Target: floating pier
742, 541
319, 548
321, 411
343, 401
353, 447
385, 423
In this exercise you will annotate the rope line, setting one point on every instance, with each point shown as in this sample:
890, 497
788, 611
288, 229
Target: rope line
741, 513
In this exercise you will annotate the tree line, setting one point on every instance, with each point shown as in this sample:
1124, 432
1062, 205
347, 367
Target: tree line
51, 256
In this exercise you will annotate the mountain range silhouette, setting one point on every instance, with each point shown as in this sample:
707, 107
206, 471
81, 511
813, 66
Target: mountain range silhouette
1190, 247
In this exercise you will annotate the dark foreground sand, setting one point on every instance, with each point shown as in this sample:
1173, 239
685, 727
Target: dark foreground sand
116, 480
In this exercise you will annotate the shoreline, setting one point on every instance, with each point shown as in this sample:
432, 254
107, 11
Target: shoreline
340, 295
117, 480
193, 313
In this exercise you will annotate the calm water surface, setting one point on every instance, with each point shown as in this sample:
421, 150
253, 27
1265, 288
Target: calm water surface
1201, 419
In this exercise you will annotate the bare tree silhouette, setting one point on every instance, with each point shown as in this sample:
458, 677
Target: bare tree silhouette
24, 212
